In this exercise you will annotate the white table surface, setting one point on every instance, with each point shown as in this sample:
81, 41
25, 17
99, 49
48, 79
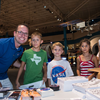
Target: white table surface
60, 95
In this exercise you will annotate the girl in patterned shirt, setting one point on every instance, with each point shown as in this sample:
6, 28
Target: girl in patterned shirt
86, 60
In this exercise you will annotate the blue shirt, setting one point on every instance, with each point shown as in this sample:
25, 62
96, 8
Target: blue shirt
8, 54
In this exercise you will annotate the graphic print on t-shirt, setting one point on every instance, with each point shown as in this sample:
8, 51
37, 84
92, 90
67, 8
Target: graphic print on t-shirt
36, 58
57, 71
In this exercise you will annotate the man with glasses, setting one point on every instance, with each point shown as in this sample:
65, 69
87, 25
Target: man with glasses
10, 51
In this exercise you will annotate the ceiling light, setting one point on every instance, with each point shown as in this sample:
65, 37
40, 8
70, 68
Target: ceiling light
55, 16
52, 12
37, 28
44, 6
57, 19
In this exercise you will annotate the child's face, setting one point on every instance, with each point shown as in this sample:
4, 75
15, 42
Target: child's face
36, 41
85, 47
57, 51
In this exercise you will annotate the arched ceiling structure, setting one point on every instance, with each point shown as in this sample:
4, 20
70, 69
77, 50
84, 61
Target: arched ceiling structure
45, 15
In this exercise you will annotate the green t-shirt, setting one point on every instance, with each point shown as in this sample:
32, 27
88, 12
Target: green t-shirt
34, 65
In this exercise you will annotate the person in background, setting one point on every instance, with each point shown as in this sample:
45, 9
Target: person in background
35, 59
86, 60
98, 54
75, 60
10, 51
58, 67
72, 61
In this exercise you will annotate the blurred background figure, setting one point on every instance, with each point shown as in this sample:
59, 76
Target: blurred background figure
98, 54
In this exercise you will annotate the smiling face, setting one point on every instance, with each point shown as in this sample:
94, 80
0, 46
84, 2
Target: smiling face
85, 47
20, 37
36, 41
57, 51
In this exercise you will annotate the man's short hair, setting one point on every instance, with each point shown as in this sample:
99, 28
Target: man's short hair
22, 24
57, 44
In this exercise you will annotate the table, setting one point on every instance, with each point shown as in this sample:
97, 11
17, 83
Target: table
60, 95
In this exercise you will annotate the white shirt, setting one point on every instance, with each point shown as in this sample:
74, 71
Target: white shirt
57, 69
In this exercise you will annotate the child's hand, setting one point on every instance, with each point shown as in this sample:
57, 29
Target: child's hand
44, 79
89, 77
17, 85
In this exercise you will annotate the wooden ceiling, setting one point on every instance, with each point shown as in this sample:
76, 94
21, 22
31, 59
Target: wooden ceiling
44, 15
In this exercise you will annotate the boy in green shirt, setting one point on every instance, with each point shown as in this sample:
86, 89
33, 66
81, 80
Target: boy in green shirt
35, 60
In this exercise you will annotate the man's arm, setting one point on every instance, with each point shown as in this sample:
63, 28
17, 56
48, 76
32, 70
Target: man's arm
17, 63
45, 72
19, 74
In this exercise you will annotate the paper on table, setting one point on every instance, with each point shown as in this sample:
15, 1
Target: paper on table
75, 99
69, 81
38, 84
81, 95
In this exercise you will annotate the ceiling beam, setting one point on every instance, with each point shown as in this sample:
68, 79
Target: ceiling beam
94, 16
39, 25
77, 8
49, 4
46, 23
6, 22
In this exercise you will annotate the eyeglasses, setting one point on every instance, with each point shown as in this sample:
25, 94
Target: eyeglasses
21, 33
